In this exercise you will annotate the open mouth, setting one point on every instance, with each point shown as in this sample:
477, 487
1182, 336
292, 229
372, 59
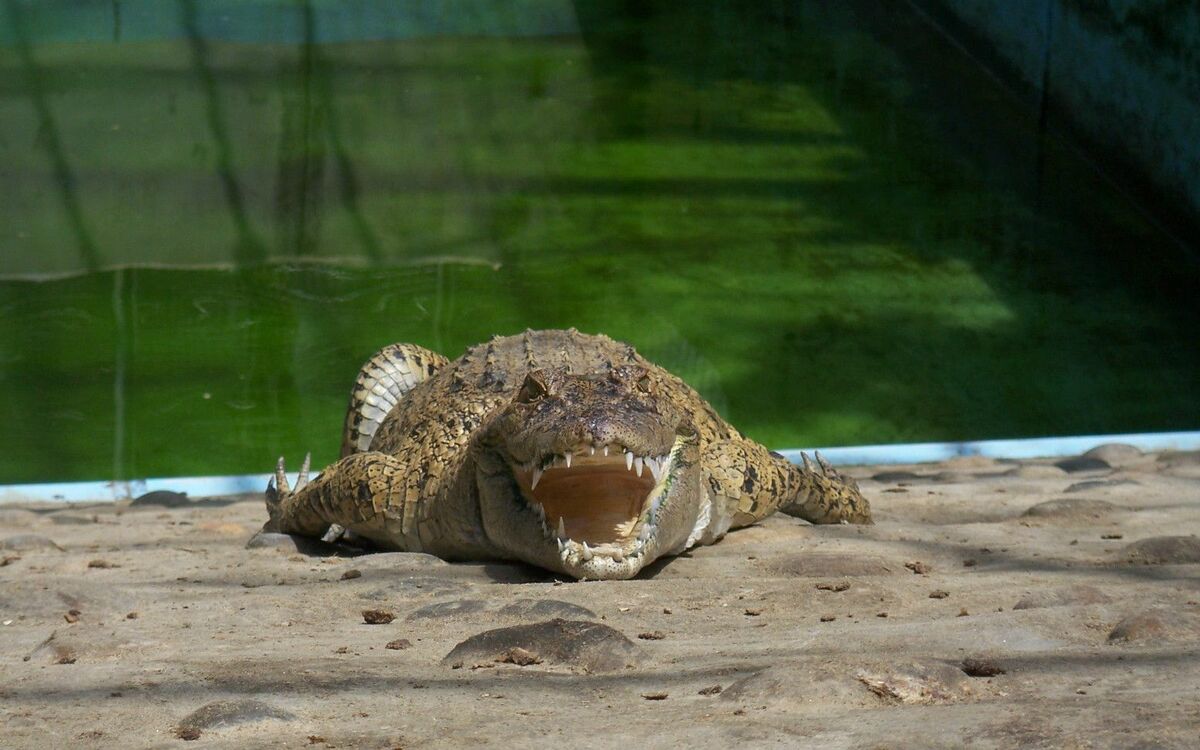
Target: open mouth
598, 499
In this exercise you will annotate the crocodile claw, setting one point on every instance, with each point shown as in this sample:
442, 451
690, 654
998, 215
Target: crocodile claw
302, 478
281, 481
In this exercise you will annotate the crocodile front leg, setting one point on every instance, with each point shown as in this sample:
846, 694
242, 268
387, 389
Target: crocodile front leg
358, 493
747, 483
825, 495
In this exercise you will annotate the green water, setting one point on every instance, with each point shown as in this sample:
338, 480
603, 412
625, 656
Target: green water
834, 226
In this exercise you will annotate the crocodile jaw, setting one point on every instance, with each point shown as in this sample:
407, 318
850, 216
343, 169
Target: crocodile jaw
602, 516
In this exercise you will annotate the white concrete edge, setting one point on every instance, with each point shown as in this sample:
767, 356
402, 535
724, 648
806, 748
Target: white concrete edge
901, 453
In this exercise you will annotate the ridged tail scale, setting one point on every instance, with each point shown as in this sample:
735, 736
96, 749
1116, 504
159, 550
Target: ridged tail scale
384, 379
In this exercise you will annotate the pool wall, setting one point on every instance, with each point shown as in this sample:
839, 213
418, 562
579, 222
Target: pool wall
1123, 75
900, 453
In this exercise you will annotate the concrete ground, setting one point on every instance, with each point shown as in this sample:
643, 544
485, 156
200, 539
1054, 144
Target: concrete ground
994, 604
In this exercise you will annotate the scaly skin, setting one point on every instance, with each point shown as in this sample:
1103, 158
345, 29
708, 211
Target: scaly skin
446, 458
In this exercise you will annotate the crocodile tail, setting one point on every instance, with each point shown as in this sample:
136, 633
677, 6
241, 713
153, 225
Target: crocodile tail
825, 495
384, 379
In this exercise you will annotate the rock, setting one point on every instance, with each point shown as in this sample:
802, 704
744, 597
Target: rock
1157, 625
28, 543
1138, 628
1082, 463
1183, 464
898, 476
544, 608
1070, 508
519, 656
802, 684
1163, 550
401, 561
161, 499
576, 645
377, 616
1062, 597
1093, 484
1115, 454
220, 714
919, 682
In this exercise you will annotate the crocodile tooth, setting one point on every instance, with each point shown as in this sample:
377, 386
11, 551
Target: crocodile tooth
587, 552
617, 554
592, 450
562, 529
637, 464
654, 468
561, 546
567, 458
647, 530
537, 474
606, 450
628, 460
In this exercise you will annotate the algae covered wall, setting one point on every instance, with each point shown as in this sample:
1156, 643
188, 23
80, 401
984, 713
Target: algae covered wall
1125, 74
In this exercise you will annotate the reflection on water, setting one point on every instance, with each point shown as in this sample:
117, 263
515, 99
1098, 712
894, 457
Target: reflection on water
817, 213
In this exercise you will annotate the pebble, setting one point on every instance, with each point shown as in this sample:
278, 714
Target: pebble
377, 616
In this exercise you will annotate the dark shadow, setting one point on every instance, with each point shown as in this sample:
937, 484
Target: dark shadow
249, 248
309, 118
348, 189
300, 178
1058, 237
50, 139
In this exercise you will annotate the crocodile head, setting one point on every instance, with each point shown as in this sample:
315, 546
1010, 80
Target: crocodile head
592, 475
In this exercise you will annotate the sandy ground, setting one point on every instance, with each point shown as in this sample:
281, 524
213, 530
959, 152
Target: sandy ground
994, 604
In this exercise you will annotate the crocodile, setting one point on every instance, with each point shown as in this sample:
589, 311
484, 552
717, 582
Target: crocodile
561, 449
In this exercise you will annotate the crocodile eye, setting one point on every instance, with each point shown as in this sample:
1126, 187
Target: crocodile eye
643, 384
532, 389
